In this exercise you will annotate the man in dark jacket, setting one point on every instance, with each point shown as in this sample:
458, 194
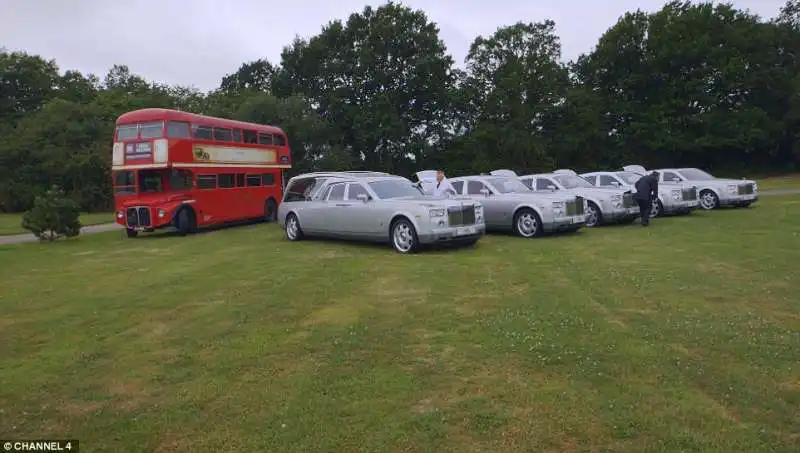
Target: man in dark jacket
646, 193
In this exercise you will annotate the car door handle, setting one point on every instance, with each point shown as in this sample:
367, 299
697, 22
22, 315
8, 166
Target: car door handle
342, 204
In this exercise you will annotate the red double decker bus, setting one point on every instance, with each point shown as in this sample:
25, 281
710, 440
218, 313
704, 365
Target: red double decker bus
182, 170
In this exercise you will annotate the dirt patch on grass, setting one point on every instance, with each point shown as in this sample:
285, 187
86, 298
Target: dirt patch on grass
338, 313
128, 395
78, 409
607, 314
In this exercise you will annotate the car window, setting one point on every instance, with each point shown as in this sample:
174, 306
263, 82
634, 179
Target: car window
606, 180
528, 183
669, 176
458, 186
591, 179
355, 190
335, 192
475, 187
542, 183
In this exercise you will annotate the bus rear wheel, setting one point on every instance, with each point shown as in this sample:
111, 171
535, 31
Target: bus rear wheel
270, 210
131, 232
186, 222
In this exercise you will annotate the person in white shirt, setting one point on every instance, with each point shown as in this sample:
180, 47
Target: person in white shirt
443, 187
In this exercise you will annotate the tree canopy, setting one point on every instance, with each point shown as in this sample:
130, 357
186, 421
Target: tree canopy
691, 84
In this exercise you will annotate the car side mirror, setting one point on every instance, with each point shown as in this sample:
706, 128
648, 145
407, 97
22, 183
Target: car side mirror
551, 188
485, 192
615, 183
363, 197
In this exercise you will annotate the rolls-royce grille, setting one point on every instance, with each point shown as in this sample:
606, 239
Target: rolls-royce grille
575, 207
745, 189
690, 194
627, 200
138, 216
463, 215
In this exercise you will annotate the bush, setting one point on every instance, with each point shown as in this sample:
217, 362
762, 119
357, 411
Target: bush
53, 215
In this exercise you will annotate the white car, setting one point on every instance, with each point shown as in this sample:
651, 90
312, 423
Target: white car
713, 192
673, 197
603, 204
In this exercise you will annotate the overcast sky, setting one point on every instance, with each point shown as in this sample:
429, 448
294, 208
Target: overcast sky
196, 42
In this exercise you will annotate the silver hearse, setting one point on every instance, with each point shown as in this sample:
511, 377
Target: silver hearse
673, 197
374, 206
714, 192
509, 205
604, 205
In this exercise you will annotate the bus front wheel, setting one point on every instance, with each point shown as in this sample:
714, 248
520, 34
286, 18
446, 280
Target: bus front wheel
131, 232
186, 222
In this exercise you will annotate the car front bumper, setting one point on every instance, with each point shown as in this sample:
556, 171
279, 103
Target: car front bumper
452, 234
737, 200
680, 206
565, 223
622, 213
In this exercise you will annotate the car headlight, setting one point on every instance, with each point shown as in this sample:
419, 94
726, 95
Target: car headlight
676, 195
559, 208
731, 189
438, 212
755, 187
616, 201
161, 213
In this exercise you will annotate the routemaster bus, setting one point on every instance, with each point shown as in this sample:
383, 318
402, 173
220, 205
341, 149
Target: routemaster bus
174, 169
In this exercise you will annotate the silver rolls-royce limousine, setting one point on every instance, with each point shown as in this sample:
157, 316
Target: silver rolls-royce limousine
375, 206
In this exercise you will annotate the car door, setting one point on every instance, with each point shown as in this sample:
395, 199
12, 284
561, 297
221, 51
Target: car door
358, 217
609, 181
544, 184
670, 176
332, 212
492, 214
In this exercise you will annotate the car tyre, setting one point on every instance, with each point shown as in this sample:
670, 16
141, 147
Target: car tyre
131, 233
527, 223
404, 236
593, 215
709, 200
292, 228
657, 210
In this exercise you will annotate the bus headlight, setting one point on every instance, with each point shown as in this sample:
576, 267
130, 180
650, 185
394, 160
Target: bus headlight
120, 214
162, 213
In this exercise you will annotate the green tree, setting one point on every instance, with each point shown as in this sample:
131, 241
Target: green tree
256, 76
382, 79
53, 215
27, 82
513, 82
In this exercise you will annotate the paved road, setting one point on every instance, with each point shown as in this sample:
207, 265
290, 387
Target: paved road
20, 238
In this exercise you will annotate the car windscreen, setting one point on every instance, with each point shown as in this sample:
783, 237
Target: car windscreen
572, 182
509, 185
694, 174
394, 188
629, 177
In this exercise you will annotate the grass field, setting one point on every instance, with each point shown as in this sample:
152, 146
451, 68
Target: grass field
679, 337
11, 223
780, 182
